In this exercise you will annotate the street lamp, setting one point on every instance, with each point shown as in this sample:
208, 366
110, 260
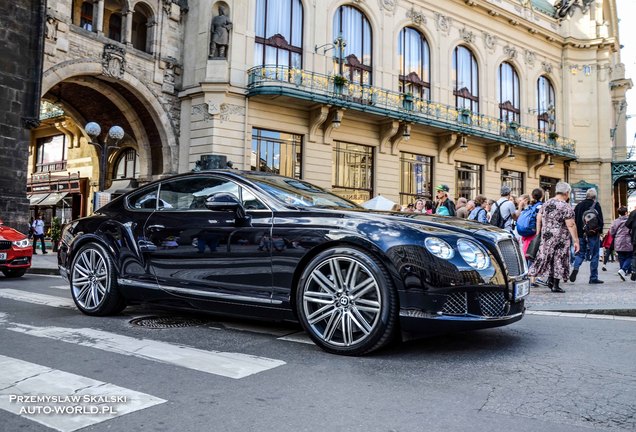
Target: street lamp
115, 133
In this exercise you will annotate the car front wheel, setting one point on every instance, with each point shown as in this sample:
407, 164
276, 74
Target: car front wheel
93, 282
346, 302
14, 273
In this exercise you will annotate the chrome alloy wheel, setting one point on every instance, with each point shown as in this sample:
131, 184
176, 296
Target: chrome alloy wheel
342, 301
89, 278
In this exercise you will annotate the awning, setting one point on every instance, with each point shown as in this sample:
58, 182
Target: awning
52, 199
36, 198
121, 186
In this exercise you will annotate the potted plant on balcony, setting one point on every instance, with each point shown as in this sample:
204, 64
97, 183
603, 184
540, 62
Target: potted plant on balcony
464, 115
552, 137
55, 232
339, 83
407, 101
513, 129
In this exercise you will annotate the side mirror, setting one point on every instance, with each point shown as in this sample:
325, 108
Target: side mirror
222, 201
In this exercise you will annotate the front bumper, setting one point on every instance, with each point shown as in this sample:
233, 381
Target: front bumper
17, 258
460, 310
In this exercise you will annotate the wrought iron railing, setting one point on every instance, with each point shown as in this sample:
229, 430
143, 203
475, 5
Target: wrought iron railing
338, 92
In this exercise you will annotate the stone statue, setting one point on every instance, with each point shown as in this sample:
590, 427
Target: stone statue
566, 7
551, 118
220, 37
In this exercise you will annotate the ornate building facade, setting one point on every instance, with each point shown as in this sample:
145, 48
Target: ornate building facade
363, 97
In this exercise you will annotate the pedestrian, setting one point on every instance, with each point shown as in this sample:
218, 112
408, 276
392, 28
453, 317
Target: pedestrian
504, 212
419, 206
488, 208
461, 210
479, 214
607, 248
631, 224
38, 233
527, 222
410, 208
555, 225
441, 192
622, 242
396, 208
588, 217
428, 206
30, 231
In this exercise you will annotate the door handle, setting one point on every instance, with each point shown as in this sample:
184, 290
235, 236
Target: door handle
156, 227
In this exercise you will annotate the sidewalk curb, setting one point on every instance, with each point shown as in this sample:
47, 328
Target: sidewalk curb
43, 271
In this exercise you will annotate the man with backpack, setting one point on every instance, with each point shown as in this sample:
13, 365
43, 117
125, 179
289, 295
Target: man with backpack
589, 225
503, 211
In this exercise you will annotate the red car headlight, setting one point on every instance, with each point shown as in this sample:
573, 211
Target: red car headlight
22, 243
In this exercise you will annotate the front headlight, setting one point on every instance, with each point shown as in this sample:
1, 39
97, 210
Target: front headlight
22, 243
474, 255
439, 248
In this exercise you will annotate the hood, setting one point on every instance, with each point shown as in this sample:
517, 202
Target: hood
434, 223
10, 234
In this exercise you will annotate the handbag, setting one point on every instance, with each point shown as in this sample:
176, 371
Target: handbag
533, 247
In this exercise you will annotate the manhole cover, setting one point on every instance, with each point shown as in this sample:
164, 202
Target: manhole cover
158, 322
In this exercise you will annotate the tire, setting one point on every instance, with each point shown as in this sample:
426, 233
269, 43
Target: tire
14, 273
346, 302
93, 282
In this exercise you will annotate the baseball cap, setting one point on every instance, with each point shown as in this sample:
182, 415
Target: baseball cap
442, 187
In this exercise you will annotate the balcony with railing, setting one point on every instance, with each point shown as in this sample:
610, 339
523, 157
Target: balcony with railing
623, 162
336, 91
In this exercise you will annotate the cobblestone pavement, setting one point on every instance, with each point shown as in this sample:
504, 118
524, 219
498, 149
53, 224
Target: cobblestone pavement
613, 295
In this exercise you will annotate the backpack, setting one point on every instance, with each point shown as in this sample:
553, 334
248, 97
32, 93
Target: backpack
591, 224
496, 219
527, 221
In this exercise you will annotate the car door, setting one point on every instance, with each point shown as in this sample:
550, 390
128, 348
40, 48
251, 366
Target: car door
205, 254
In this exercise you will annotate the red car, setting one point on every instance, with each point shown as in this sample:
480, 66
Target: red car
15, 252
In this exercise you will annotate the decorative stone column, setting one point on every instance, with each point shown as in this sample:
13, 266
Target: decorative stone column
128, 31
98, 13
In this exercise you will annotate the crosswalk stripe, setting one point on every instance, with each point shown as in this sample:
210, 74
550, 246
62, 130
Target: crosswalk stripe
36, 298
81, 401
231, 365
62, 287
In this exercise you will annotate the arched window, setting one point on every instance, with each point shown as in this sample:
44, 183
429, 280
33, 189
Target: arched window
546, 105
141, 16
114, 27
508, 93
355, 60
126, 165
466, 77
279, 33
415, 67
86, 16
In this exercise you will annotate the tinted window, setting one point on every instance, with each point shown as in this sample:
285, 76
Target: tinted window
145, 199
191, 193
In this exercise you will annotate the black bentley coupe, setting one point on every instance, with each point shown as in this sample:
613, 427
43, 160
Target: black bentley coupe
263, 245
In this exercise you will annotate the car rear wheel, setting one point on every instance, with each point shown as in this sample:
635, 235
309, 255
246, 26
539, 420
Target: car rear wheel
14, 273
93, 282
346, 302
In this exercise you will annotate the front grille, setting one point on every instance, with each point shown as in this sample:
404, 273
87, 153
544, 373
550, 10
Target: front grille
5, 244
493, 304
456, 304
511, 255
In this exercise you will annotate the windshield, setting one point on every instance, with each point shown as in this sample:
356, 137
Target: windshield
299, 193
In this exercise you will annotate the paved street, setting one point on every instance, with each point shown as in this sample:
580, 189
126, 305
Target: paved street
546, 372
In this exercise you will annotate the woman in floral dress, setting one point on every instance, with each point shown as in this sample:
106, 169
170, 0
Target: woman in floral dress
555, 222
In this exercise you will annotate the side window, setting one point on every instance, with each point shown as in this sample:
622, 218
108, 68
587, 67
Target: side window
191, 193
144, 200
250, 202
